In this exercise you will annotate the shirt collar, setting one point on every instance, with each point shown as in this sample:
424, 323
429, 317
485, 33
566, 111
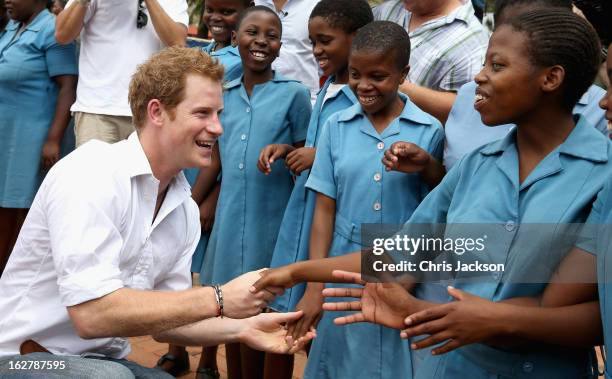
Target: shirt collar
584, 142
139, 164
463, 13
275, 78
410, 112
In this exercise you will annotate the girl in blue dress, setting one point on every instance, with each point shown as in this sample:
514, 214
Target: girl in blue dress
37, 86
332, 26
354, 189
261, 108
548, 171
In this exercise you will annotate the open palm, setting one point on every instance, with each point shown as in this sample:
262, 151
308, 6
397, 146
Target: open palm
386, 304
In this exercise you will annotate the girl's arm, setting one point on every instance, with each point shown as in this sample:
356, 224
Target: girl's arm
320, 241
65, 98
207, 178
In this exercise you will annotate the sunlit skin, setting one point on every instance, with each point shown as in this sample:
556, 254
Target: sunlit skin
508, 84
374, 77
192, 128
330, 47
259, 42
221, 16
606, 101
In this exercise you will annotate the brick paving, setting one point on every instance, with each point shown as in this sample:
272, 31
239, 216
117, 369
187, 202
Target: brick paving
146, 351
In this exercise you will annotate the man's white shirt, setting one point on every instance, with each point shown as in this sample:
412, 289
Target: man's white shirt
111, 49
89, 232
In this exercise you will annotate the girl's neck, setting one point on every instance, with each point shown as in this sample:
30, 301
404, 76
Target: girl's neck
220, 45
539, 135
341, 77
382, 119
38, 8
251, 79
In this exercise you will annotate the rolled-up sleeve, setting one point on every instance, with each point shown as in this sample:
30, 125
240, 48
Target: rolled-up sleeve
322, 177
83, 221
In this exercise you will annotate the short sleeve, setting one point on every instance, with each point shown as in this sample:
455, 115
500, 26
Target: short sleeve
90, 9
322, 177
588, 237
299, 114
176, 10
83, 218
61, 59
436, 147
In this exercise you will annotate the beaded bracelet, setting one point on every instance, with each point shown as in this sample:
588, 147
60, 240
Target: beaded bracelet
219, 298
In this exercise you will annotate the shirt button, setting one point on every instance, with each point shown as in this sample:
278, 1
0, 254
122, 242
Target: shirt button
496, 275
248, 110
241, 166
377, 177
243, 137
377, 206
380, 145
510, 226
527, 367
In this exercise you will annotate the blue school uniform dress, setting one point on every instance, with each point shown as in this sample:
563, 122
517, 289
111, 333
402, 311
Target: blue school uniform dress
230, 59
28, 95
598, 241
251, 204
294, 235
465, 131
348, 168
484, 188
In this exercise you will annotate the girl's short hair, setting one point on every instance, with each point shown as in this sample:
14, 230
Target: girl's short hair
559, 37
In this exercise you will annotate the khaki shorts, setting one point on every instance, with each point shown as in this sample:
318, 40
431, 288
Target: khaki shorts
102, 127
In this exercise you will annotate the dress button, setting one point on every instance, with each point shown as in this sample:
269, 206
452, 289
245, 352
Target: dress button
248, 110
243, 137
380, 145
241, 166
527, 367
510, 225
496, 275
377, 177
377, 206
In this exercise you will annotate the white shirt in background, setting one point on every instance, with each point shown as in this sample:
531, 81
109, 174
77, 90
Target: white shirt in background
296, 60
111, 48
88, 233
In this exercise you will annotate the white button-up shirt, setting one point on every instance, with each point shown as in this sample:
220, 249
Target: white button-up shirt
89, 232
295, 60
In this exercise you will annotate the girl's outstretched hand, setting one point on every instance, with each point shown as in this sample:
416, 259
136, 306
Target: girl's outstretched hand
300, 159
406, 157
274, 277
270, 154
310, 304
469, 319
386, 304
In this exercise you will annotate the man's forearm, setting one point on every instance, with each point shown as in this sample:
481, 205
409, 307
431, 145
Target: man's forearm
69, 22
128, 312
209, 332
436, 103
169, 32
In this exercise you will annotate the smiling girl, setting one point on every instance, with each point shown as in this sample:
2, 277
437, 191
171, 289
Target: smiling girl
262, 108
353, 188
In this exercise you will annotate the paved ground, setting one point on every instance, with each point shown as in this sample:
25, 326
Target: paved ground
147, 351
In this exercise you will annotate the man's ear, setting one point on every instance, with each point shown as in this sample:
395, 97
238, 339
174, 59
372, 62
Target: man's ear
155, 112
